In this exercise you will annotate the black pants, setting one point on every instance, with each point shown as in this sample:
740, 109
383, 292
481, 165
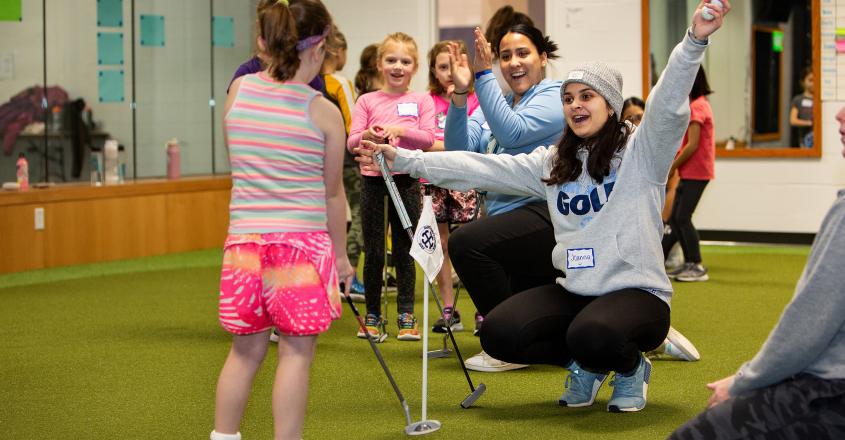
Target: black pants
498, 255
804, 407
373, 193
549, 325
686, 199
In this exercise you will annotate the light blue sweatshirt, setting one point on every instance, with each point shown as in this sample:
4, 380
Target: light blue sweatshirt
536, 120
607, 233
810, 335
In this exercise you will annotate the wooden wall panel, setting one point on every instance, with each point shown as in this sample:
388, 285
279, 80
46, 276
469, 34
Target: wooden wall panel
85, 224
21, 246
104, 230
197, 220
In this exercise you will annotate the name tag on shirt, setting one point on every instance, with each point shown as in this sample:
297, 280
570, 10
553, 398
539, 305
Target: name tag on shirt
580, 258
806, 102
407, 109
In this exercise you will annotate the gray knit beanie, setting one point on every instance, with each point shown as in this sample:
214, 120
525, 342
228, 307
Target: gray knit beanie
605, 80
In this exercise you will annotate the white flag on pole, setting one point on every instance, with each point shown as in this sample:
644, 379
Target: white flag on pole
426, 247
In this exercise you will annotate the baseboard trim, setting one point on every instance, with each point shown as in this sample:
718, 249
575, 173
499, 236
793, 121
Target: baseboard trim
799, 238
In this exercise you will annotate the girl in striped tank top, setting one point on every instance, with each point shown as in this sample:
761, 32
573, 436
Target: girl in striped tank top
285, 253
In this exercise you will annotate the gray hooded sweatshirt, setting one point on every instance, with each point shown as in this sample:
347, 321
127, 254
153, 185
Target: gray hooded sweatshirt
607, 233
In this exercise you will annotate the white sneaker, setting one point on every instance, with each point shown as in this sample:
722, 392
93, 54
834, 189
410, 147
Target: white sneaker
677, 347
675, 259
484, 362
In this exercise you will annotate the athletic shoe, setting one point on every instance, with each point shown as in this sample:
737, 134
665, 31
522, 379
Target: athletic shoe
407, 327
356, 291
450, 315
375, 326
676, 347
478, 321
629, 391
675, 259
679, 347
674, 272
274, 335
581, 387
484, 362
694, 272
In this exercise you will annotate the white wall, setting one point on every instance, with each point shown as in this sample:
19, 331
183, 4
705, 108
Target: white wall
597, 30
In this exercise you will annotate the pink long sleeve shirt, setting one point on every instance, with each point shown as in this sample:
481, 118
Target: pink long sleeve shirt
412, 110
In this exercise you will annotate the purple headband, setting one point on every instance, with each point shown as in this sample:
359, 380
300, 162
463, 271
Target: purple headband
312, 41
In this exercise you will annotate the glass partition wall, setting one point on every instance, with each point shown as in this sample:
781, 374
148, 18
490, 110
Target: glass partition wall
141, 72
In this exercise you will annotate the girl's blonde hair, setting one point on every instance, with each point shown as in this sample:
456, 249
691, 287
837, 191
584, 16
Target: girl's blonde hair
399, 38
434, 85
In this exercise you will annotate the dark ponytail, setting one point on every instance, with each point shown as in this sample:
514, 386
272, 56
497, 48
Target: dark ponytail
543, 43
282, 25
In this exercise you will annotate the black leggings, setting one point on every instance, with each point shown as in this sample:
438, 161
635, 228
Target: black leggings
373, 193
498, 255
686, 199
550, 325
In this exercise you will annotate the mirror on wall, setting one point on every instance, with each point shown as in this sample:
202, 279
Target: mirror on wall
140, 72
761, 68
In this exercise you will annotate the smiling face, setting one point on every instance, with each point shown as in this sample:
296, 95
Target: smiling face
586, 111
397, 66
521, 64
442, 70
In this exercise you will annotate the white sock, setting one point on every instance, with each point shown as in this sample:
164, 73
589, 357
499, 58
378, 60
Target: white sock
218, 436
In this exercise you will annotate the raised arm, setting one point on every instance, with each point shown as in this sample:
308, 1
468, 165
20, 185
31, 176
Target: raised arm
667, 108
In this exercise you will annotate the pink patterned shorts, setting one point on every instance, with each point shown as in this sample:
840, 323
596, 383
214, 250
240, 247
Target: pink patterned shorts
282, 280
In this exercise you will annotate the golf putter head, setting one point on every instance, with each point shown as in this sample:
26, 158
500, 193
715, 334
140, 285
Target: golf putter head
470, 400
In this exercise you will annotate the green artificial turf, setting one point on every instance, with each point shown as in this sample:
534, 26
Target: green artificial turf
132, 350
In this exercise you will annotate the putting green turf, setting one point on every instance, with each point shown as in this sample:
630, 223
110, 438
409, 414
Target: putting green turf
132, 350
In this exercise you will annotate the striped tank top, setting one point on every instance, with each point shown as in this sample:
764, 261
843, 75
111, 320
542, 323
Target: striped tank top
276, 155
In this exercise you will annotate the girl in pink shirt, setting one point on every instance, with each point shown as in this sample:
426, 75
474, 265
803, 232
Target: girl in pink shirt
695, 163
405, 119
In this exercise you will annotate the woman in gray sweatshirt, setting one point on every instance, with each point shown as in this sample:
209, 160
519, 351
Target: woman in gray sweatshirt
794, 388
604, 184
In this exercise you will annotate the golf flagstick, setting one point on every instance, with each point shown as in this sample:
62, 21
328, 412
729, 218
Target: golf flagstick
475, 393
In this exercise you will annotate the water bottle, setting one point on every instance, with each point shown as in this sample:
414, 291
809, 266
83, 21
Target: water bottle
173, 164
111, 165
22, 172
121, 163
96, 166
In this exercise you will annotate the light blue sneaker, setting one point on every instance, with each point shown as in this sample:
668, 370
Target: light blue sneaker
629, 392
581, 387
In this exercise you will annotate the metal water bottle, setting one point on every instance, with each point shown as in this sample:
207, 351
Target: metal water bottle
22, 172
173, 160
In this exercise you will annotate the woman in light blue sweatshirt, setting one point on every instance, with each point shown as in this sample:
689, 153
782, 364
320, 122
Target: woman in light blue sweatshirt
507, 250
604, 185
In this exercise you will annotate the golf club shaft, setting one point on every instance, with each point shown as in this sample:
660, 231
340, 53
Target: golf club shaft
380, 360
406, 223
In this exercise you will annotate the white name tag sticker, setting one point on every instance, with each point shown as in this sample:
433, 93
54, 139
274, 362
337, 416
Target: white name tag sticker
806, 102
407, 109
576, 74
580, 258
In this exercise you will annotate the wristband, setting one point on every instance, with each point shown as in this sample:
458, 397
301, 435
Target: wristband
482, 73
461, 93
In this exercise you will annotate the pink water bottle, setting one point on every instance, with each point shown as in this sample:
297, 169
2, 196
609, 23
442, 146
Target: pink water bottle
22, 172
173, 163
